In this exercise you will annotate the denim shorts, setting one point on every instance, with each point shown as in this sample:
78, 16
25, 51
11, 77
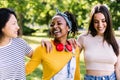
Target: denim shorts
107, 77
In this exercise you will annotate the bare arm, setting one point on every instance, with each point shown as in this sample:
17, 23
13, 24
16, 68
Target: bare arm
30, 54
75, 43
117, 68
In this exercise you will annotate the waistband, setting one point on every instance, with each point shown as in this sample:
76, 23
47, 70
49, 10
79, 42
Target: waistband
99, 66
106, 77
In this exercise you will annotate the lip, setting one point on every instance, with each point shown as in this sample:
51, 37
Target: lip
16, 32
100, 28
56, 31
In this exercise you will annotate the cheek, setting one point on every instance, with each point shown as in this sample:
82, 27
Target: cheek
105, 25
6, 32
65, 27
51, 31
95, 25
65, 30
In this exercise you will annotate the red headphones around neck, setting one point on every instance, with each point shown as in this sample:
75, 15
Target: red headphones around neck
61, 47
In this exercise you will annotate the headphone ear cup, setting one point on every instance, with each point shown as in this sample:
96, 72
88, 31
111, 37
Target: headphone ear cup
68, 47
60, 47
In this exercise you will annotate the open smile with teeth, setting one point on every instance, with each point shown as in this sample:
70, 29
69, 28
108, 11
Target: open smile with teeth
56, 31
100, 28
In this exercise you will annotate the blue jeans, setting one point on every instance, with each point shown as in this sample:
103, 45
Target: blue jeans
107, 77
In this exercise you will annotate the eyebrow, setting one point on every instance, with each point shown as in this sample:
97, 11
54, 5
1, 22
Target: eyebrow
100, 19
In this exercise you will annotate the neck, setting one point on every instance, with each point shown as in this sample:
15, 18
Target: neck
100, 34
4, 41
63, 41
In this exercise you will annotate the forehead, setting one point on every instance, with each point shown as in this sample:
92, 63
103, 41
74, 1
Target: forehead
99, 16
12, 18
58, 18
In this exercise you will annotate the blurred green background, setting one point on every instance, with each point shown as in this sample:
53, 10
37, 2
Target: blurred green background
34, 14
34, 17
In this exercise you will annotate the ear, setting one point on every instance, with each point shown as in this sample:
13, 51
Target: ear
68, 28
2, 30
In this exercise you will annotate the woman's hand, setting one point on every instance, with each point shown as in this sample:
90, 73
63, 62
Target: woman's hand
47, 44
73, 42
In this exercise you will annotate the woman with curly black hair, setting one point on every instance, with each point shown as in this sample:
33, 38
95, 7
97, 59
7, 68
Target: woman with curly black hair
63, 61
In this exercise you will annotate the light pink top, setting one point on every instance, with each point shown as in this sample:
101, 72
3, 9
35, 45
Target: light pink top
98, 55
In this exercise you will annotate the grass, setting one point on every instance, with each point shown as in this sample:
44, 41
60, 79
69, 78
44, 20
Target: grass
35, 40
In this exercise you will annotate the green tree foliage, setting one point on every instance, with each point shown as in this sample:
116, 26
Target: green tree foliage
40, 12
115, 12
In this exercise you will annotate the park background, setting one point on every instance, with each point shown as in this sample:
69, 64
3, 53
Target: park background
34, 17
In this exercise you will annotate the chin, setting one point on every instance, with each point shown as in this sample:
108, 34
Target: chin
15, 36
101, 33
57, 36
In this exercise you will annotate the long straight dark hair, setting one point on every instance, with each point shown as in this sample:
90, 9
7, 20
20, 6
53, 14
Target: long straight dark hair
109, 33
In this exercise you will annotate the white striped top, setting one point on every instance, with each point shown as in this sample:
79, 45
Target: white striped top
12, 64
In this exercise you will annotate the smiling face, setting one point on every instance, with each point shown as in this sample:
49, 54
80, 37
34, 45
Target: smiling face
100, 23
58, 27
11, 27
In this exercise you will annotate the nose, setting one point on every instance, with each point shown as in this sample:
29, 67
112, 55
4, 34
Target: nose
100, 24
55, 26
17, 27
